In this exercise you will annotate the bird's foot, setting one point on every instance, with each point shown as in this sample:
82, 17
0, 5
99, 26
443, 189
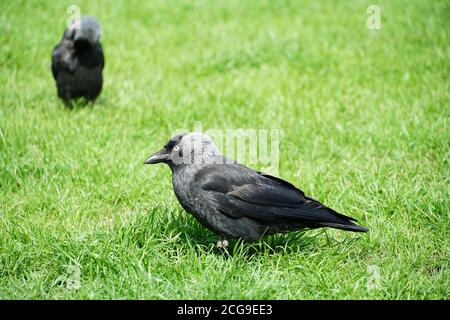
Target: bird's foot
222, 243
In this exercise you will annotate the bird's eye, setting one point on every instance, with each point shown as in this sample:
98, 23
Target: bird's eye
176, 148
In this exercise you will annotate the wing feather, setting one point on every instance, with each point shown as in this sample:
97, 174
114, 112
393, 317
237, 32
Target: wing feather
242, 192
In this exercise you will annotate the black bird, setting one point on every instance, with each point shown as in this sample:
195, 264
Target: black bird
235, 201
78, 61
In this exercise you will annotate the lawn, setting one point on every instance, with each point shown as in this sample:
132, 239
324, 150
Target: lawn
364, 119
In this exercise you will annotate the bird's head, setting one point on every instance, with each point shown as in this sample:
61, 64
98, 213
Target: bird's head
85, 34
185, 149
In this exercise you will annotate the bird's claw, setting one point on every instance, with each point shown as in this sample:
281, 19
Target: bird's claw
222, 243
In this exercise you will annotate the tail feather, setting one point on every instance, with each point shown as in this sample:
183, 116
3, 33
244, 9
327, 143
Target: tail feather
349, 227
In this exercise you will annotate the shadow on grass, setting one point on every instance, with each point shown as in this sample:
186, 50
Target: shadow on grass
82, 103
180, 228
287, 243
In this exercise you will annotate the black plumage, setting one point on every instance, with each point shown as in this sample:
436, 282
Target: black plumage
78, 61
235, 201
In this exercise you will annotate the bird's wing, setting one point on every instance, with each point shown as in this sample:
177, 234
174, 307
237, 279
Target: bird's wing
238, 191
54, 62
102, 56
63, 58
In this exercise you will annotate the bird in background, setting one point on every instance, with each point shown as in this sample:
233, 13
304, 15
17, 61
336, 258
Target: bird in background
235, 201
78, 61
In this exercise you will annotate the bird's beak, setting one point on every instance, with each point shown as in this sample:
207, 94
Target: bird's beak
157, 157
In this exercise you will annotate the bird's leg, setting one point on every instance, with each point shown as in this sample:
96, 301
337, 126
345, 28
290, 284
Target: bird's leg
222, 243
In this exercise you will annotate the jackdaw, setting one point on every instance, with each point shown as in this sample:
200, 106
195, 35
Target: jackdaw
78, 61
235, 201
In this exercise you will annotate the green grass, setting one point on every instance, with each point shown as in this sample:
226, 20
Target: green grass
365, 120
